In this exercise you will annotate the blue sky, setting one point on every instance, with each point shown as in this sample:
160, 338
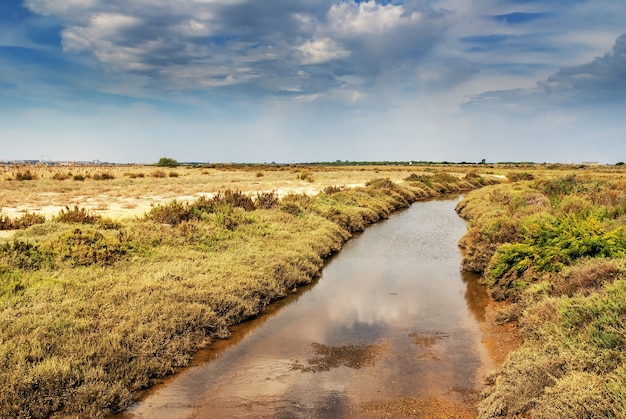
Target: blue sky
313, 80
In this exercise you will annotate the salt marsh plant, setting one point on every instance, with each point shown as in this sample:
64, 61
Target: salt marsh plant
555, 248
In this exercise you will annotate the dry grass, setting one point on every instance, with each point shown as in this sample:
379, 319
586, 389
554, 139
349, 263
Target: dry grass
95, 309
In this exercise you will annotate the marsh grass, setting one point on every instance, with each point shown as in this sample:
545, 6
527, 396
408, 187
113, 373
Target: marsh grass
555, 248
93, 310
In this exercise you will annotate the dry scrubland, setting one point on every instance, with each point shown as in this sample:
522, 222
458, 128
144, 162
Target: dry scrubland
116, 276
553, 244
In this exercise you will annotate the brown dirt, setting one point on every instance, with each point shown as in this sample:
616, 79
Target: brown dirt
498, 339
351, 356
426, 408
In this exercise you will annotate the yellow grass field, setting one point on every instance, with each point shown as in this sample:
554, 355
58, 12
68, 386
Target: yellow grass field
133, 190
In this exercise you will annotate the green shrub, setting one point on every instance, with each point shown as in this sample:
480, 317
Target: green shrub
556, 188
167, 162
85, 247
25, 256
291, 208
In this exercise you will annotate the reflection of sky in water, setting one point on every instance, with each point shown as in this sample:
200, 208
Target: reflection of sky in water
399, 283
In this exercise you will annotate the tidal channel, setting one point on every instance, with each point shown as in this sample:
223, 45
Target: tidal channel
392, 328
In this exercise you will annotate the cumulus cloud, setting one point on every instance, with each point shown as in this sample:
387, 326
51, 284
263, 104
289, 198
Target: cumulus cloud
208, 44
601, 80
604, 76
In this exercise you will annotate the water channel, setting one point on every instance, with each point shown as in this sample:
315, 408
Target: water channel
392, 325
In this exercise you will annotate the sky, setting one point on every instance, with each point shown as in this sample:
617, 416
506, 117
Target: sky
286, 81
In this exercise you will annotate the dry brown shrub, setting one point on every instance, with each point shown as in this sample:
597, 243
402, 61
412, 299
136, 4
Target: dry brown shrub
266, 200
333, 189
536, 317
586, 277
306, 175
61, 176
77, 216
103, 176
26, 220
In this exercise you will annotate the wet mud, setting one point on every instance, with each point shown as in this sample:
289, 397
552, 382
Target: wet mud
393, 328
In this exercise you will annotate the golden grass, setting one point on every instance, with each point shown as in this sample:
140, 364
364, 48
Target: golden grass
95, 309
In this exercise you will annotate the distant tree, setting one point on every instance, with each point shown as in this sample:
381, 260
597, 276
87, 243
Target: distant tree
167, 162
621, 163
483, 161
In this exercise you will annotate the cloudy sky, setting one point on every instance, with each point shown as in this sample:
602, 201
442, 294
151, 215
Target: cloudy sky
313, 80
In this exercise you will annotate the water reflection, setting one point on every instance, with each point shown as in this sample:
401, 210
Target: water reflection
392, 316
476, 295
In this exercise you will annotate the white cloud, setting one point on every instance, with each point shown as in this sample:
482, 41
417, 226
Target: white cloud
351, 19
320, 51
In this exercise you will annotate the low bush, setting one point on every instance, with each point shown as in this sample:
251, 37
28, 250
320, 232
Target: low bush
517, 176
77, 215
234, 199
86, 247
24, 221
25, 256
103, 176
266, 200
172, 213
307, 176
291, 208
61, 176
25, 175
332, 189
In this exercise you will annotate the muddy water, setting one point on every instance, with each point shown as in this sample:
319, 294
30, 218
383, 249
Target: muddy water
391, 329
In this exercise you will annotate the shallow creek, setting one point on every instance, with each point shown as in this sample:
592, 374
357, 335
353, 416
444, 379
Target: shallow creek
391, 329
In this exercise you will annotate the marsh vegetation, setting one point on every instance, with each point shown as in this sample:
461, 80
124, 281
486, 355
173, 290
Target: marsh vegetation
97, 305
553, 245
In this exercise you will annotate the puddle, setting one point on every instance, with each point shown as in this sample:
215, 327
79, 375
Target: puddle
391, 329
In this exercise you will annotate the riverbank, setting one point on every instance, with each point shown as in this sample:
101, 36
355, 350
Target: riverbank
554, 249
96, 309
